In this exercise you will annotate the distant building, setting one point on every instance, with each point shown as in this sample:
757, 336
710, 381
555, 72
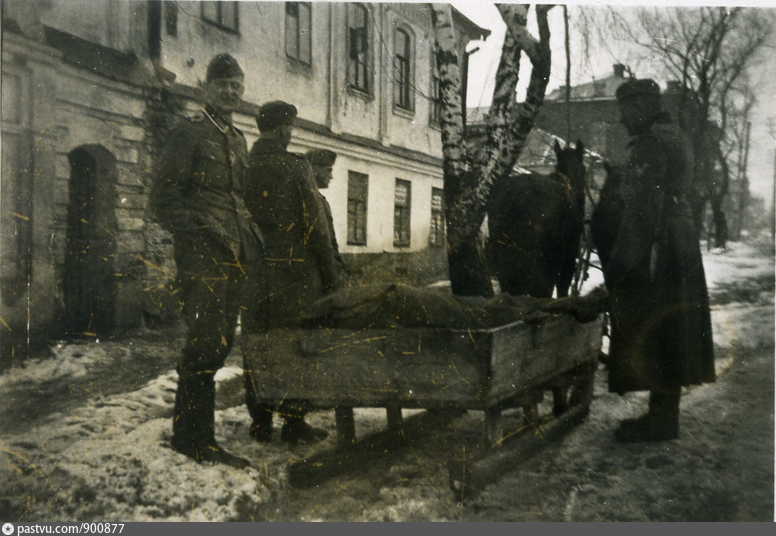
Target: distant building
594, 116
91, 87
538, 154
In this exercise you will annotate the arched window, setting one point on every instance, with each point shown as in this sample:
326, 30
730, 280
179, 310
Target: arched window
402, 62
358, 47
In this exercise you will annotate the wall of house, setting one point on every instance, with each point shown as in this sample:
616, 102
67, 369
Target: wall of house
68, 109
91, 110
55, 108
319, 97
118, 24
28, 290
595, 122
382, 168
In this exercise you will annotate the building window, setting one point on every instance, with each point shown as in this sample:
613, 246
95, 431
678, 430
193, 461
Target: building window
358, 47
298, 34
171, 18
223, 14
436, 96
401, 213
437, 235
402, 97
358, 186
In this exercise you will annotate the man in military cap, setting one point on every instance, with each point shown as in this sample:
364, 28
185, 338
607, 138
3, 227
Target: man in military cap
300, 265
197, 197
661, 336
322, 162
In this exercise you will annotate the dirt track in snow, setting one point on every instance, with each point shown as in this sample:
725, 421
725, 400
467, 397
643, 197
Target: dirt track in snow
85, 435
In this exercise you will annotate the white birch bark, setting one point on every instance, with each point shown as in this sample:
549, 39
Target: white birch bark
468, 186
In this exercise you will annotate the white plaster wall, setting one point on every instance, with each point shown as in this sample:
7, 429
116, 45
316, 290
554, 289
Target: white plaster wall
260, 49
383, 169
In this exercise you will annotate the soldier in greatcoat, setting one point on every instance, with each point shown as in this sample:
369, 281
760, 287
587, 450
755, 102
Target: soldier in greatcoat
299, 266
197, 197
661, 325
322, 162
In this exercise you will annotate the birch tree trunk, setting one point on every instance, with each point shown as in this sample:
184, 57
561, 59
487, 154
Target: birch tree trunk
468, 179
465, 255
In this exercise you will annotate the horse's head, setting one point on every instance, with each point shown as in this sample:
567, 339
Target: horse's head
570, 163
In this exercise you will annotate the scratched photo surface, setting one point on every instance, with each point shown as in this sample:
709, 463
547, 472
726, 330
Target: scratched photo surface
328, 261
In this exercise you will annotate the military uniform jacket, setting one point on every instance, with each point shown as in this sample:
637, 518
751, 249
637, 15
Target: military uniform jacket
198, 187
660, 311
299, 266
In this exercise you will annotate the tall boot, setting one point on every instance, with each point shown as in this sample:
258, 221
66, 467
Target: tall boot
664, 409
194, 422
660, 423
193, 411
261, 414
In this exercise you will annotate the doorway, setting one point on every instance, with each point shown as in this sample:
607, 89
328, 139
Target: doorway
90, 283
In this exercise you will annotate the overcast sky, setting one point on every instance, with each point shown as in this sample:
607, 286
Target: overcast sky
484, 62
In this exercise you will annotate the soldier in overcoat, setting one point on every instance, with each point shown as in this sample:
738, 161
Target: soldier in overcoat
322, 162
661, 325
299, 266
197, 197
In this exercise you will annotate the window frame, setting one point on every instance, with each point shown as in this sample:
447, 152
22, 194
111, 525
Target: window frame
402, 215
352, 78
437, 234
357, 221
219, 10
299, 33
403, 96
170, 18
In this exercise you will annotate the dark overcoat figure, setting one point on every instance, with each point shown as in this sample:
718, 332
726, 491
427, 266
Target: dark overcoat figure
322, 162
661, 334
299, 266
197, 197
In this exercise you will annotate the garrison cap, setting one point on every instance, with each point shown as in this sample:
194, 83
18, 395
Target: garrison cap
633, 88
223, 66
275, 113
321, 157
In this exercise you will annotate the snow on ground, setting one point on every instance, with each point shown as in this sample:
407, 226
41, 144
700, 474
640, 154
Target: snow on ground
737, 261
109, 459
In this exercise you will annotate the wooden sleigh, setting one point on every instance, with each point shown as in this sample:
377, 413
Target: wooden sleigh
445, 371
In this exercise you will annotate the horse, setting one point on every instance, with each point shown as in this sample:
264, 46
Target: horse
535, 223
606, 216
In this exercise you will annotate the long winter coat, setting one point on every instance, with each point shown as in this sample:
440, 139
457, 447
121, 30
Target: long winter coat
661, 332
299, 263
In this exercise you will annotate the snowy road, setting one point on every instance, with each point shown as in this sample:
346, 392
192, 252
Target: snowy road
85, 438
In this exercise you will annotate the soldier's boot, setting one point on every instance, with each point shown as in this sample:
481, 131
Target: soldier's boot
261, 414
194, 422
661, 423
296, 431
261, 426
